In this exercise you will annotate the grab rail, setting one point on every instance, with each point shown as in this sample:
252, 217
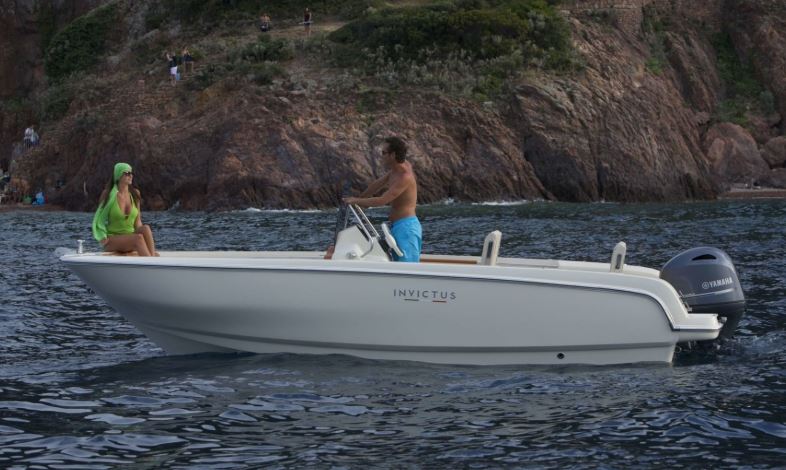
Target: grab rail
365, 225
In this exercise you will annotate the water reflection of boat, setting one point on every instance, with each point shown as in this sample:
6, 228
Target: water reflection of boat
445, 309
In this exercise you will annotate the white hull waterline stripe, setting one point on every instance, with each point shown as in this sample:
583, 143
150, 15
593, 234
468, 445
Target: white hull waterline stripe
386, 347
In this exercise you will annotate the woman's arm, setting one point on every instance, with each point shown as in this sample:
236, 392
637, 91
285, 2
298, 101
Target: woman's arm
138, 201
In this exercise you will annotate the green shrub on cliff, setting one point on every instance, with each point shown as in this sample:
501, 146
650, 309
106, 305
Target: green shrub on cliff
482, 29
654, 27
79, 45
205, 76
744, 92
16, 105
465, 47
265, 49
46, 22
739, 76
605, 16
54, 104
256, 62
263, 74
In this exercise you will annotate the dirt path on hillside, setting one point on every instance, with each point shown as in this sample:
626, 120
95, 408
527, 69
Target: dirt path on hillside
295, 31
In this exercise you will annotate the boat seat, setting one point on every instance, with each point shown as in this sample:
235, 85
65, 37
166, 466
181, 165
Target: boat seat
491, 248
618, 257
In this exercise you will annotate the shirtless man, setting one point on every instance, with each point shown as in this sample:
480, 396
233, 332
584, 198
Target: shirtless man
401, 192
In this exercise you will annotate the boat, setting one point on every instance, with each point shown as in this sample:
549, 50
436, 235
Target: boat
449, 309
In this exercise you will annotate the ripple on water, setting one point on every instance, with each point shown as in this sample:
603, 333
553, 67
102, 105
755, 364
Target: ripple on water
24, 405
257, 404
114, 419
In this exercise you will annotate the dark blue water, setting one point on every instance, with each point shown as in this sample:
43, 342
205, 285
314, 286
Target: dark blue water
81, 388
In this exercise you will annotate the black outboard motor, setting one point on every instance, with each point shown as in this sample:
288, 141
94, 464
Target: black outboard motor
707, 282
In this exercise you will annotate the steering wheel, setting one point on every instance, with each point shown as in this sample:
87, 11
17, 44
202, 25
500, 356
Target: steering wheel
390, 240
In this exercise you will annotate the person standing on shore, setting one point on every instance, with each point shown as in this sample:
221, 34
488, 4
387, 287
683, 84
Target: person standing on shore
401, 192
117, 223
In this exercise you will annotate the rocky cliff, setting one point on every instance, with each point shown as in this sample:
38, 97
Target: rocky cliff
26, 27
643, 118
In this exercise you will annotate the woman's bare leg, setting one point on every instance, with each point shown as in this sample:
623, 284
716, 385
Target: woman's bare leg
148, 234
126, 243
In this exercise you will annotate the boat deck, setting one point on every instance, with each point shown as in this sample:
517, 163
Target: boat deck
429, 259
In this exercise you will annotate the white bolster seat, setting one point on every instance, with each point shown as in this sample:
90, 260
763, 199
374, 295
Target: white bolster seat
488, 256
618, 257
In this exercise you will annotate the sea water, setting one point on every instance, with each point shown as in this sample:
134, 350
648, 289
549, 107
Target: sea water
82, 388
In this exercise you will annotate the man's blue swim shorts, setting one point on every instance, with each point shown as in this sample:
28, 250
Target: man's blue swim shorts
409, 237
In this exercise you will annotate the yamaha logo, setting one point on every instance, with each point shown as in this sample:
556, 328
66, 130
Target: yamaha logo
717, 283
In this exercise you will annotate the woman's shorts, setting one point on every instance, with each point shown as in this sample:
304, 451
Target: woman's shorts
173, 70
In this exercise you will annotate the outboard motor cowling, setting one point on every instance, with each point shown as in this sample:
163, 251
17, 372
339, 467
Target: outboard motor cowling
707, 282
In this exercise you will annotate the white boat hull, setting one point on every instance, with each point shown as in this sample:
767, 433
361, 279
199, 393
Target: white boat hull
517, 312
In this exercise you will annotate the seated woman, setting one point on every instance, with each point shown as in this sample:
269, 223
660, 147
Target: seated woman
117, 224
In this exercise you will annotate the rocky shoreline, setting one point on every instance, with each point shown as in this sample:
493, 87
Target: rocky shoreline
759, 193
29, 207
742, 194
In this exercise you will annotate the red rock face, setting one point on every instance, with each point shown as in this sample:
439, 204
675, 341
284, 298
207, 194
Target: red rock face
615, 130
21, 54
775, 178
20, 48
774, 152
22, 58
733, 154
758, 28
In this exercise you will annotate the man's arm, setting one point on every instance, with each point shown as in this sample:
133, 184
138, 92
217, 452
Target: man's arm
375, 186
387, 197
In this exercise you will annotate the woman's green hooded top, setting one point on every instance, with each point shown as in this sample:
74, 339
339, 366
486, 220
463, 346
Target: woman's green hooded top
109, 219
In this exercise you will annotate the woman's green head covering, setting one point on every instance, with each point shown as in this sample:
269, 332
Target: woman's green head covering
121, 168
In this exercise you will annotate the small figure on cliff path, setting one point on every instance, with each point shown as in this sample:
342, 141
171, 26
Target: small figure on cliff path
28, 137
264, 23
31, 138
117, 223
307, 20
172, 62
401, 192
188, 61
